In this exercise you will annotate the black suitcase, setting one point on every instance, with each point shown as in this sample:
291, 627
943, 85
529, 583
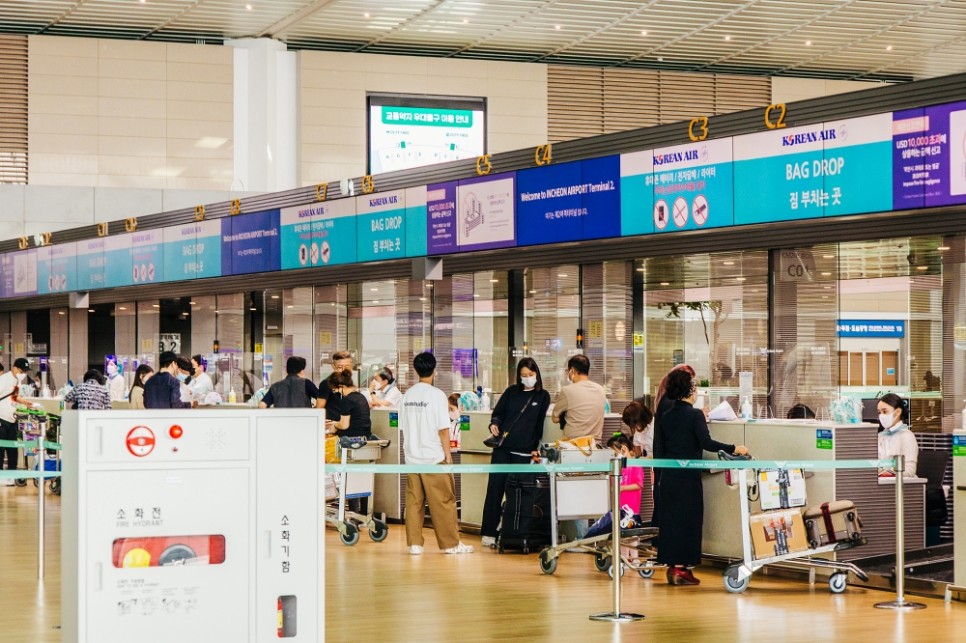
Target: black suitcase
526, 513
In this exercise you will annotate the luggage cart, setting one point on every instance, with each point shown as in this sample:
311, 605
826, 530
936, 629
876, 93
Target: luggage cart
737, 576
578, 496
30, 424
340, 487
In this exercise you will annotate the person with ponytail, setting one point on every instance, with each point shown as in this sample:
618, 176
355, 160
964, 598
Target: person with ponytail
895, 436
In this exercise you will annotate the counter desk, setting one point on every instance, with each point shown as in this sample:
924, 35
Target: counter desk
810, 440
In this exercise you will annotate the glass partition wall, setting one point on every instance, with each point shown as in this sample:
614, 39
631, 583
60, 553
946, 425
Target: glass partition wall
797, 325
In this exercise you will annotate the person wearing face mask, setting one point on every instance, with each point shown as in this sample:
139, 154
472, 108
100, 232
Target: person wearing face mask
9, 382
519, 415
200, 385
183, 374
895, 436
163, 390
383, 392
681, 433
115, 378
355, 420
328, 399
584, 401
453, 401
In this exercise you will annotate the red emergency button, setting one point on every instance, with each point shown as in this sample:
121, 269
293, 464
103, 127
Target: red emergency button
140, 441
175, 431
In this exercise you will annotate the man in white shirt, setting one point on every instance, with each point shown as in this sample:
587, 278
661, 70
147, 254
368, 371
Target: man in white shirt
8, 424
424, 420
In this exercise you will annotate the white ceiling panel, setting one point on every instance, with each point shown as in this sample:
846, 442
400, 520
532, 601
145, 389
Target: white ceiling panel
856, 39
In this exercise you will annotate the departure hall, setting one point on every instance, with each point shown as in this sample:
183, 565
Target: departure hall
688, 274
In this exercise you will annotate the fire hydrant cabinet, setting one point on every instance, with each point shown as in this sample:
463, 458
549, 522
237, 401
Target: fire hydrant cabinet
192, 525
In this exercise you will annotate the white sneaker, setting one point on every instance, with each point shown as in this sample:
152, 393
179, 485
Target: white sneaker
8, 483
488, 541
415, 550
459, 549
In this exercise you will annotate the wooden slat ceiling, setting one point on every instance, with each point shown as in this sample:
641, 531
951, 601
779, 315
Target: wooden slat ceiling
848, 39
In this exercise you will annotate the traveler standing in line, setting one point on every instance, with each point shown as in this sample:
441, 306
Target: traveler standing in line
519, 414
9, 382
200, 384
662, 404
382, 391
115, 377
89, 395
424, 421
136, 394
328, 399
681, 434
183, 375
293, 392
356, 421
163, 390
582, 400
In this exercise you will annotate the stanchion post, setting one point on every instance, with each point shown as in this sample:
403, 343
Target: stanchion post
900, 603
616, 564
40, 506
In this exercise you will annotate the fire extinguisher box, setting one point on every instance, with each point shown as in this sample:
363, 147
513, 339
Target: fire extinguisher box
192, 525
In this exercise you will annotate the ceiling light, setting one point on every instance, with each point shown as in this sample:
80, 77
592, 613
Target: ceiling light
739, 278
942, 248
643, 33
476, 294
376, 301
564, 275
808, 43
289, 306
60, 312
729, 263
373, 290
365, 15
533, 292
422, 299
727, 37
494, 281
665, 283
274, 296
155, 306
90, 310
826, 274
248, 7
824, 296
826, 287
660, 60
192, 303
641, 269
889, 48
828, 256
917, 268
466, 21
252, 308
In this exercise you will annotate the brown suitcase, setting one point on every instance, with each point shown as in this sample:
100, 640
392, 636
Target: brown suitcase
833, 522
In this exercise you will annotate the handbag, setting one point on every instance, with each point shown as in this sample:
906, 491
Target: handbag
496, 441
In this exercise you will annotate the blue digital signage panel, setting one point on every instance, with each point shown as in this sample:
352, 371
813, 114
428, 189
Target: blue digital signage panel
193, 250
856, 167
381, 226
319, 234
550, 204
57, 268
251, 242
147, 256
90, 264
637, 193
693, 186
416, 221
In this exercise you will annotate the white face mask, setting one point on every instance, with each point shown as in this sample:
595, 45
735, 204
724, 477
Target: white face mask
376, 384
886, 420
21, 377
529, 382
454, 415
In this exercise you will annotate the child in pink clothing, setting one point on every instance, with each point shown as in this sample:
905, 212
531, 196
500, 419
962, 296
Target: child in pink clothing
632, 484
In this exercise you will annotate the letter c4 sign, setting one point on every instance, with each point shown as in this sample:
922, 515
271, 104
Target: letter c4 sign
140, 441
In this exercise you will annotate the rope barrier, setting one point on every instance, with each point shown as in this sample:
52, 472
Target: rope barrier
603, 467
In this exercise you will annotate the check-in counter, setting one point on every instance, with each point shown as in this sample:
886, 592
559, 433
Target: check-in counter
808, 440
50, 405
959, 501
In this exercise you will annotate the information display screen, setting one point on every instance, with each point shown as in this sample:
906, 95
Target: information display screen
413, 131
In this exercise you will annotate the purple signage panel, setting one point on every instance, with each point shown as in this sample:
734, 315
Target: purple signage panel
915, 172
441, 218
946, 148
485, 212
251, 243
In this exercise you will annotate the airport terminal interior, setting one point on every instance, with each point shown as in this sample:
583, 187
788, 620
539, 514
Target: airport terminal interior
770, 191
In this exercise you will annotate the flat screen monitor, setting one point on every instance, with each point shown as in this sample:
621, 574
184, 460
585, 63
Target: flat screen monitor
407, 131
869, 411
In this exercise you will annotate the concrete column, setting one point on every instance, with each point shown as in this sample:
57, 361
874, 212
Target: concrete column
266, 115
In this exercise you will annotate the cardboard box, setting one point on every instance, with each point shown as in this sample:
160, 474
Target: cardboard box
775, 533
771, 492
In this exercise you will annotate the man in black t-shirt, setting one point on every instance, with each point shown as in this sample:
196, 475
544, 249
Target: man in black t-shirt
295, 391
328, 399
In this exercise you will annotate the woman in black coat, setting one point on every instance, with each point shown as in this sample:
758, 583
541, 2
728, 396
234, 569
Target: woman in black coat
520, 414
682, 433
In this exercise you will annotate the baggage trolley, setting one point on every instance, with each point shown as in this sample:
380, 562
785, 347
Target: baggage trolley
340, 487
579, 496
737, 576
30, 424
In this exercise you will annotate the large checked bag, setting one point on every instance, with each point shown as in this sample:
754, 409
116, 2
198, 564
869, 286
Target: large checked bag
833, 522
526, 513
